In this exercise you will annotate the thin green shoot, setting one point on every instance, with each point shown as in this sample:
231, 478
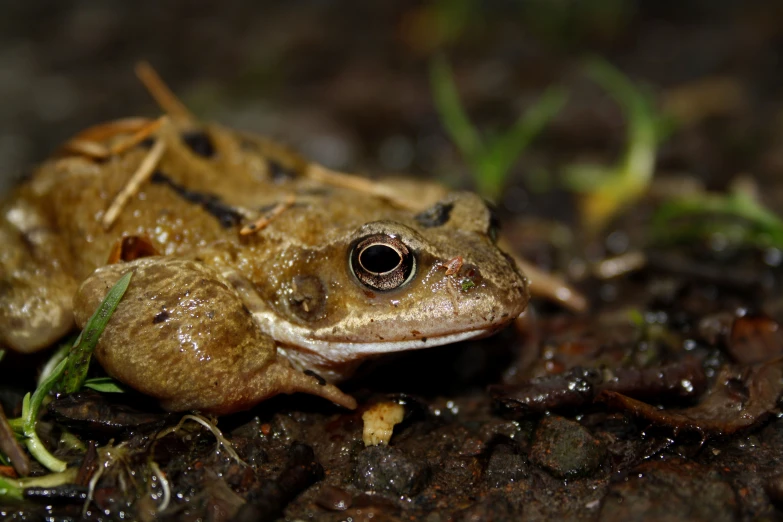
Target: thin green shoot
490, 158
10, 490
13, 489
636, 317
71, 442
608, 189
31, 406
17, 425
756, 225
104, 385
450, 19
57, 378
56, 358
78, 361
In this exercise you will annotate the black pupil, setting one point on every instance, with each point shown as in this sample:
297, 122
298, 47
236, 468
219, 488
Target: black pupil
379, 258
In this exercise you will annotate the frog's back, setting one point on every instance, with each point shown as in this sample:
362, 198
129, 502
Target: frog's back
206, 183
297, 232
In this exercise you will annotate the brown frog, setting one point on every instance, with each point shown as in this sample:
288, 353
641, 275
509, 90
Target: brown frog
270, 274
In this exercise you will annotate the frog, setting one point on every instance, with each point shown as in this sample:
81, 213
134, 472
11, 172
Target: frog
263, 273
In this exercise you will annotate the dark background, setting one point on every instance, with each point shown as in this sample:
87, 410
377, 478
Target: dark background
347, 82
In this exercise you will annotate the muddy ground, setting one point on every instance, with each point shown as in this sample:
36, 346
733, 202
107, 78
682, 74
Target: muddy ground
661, 402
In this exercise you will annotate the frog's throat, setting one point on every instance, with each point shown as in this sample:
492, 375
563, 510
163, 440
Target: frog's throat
336, 361
342, 351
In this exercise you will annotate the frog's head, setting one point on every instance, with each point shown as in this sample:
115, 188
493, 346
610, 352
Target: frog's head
392, 285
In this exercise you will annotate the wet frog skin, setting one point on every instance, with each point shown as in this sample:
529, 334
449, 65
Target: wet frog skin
225, 316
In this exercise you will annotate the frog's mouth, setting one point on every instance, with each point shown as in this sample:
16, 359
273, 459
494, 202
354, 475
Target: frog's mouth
337, 351
337, 360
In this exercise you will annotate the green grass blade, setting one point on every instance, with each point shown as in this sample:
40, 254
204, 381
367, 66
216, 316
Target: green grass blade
625, 93
104, 385
75, 364
10, 491
451, 111
512, 144
507, 148
30, 408
761, 226
78, 361
643, 124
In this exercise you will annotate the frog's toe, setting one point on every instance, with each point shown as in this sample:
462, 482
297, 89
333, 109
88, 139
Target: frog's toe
234, 393
292, 381
280, 377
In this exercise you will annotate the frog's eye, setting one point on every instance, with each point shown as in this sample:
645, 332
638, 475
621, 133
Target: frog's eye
382, 262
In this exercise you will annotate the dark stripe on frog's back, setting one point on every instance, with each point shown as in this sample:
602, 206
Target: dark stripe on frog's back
226, 215
283, 163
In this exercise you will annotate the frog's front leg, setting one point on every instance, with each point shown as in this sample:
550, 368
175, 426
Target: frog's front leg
36, 291
183, 335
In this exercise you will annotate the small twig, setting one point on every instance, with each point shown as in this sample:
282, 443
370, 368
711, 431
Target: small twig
339, 179
91, 149
90, 142
143, 173
334, 178
139, 136
163, 96
11, 447
617, 266
264, 221
546, 285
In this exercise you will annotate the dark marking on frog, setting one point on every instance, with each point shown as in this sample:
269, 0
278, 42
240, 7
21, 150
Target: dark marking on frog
280, 172
424, 339
199, 142
435, 216
494, 222
311, 373
313, 191
161, 317
227, 215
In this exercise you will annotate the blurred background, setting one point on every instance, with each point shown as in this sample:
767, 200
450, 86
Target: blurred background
349, 83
